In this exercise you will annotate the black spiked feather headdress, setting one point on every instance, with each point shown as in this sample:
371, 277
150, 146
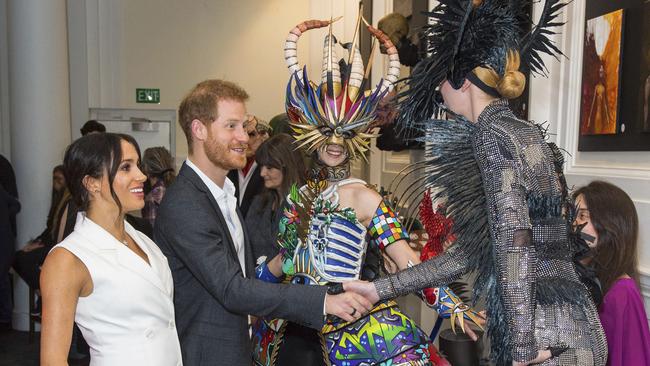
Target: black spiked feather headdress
466, 34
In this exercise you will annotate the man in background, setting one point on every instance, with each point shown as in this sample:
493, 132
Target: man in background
247, 180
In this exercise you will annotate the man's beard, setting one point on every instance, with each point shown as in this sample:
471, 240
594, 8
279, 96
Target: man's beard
220, 155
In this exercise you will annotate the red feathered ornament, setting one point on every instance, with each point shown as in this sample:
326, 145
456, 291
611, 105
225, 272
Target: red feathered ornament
438, 227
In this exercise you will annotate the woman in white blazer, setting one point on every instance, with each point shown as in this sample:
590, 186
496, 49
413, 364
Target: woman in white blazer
106, 276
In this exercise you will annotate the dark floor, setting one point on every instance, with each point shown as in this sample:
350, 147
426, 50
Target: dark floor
15, 349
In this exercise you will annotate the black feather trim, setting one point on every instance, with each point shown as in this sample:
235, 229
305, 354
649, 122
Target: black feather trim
538, 41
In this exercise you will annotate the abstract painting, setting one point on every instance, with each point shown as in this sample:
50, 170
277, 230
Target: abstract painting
601, 74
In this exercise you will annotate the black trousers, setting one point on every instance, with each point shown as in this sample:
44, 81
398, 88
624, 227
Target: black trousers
28, 265
6, 304
301, 346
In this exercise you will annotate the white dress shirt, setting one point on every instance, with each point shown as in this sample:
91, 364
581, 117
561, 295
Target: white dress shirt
227, 202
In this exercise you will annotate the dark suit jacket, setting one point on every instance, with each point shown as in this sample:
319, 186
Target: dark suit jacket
212, 298
254, 188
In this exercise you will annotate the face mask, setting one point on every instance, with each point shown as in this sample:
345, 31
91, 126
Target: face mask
590, 239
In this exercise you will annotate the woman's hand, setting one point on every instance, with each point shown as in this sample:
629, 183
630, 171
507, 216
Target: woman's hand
363, 288
467, 329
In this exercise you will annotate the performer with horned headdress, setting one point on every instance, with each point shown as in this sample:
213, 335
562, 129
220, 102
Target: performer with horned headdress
502, 184
336, 226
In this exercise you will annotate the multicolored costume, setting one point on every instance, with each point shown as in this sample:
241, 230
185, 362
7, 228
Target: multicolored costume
503, 188
324, 244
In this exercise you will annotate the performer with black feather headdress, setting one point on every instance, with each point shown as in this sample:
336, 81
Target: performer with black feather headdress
502, 184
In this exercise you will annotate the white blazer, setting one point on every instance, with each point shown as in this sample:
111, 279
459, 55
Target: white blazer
129, 317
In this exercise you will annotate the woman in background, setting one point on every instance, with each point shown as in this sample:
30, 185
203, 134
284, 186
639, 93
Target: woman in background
281, 166
611, 228
158, 165
60, 222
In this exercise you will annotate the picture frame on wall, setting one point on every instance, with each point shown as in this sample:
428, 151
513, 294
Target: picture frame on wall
601, 72
614, 107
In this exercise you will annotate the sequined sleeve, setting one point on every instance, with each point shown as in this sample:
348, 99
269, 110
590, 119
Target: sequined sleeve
385, 228
441, 270
499, 158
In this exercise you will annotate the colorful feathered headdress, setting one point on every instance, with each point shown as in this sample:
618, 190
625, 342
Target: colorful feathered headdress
336, 111
496, 35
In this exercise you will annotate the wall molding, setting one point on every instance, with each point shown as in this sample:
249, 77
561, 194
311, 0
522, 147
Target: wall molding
645, 291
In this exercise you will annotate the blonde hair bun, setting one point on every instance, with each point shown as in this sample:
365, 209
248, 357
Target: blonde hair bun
512, 84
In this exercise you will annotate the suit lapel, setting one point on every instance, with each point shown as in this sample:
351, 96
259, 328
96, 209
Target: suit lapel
196, 181
248, 250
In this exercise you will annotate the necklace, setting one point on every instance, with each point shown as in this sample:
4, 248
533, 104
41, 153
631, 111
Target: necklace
124, 241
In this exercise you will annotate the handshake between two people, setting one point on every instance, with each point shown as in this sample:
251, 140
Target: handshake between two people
354, 299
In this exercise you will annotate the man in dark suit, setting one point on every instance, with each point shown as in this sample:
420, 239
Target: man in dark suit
199, 229
247, 180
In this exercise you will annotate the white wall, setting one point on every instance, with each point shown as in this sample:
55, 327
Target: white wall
557, 100
172, 45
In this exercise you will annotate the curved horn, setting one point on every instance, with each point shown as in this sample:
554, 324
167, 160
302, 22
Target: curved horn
356, 73
290, 45
393, 59
331, 66
336, 73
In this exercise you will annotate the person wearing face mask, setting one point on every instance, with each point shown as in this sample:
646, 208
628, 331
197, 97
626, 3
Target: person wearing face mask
280, 167
610, 226
501, 183
247, 180
108, 278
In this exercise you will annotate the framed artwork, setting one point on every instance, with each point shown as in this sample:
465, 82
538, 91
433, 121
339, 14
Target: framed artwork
615, 73
601, 66
644, 90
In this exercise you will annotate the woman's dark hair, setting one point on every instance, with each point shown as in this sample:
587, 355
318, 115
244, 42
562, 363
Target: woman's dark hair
279, 152
158, 162
92, 126
59, 169
94, 155
57, 196
613, 215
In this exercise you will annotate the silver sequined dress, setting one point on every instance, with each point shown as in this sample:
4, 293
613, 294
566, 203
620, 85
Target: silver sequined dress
534, 296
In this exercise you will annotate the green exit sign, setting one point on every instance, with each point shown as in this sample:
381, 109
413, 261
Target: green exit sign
147, 95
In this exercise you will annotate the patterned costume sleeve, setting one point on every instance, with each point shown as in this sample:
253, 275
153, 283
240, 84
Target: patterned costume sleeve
510, 227
385, 228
